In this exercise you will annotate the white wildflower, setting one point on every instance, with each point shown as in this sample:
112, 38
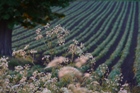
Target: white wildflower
87, 75
39, 36
69, 71
56, 62
26, 47
23, 79
47, 26
82, 45
75, 41
65, 90
123, 91
81, 61
126, 84
38, 31
45, 90
95, 82
18, 68
33, 51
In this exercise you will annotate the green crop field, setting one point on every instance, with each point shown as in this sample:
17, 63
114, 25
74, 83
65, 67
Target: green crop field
109, 30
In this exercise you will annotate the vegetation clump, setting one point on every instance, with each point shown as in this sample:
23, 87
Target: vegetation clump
72, 73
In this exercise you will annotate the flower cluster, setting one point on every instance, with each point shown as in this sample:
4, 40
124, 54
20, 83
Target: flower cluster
57, 31
57, 61
25, 54
75, 48
39, 35
3, 65
69, 80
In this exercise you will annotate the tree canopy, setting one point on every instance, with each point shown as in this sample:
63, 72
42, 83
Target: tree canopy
29, 12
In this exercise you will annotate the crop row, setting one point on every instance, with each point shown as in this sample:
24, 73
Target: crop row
29, 36
81, 37
99, 25
136, 66
117, 68
121, 42
73, 33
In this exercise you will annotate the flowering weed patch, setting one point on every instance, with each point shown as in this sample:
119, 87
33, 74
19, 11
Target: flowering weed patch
72, 73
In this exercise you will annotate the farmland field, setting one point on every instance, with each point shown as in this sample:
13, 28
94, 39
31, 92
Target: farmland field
109, 30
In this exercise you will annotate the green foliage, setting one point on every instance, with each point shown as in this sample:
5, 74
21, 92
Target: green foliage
34, 68
64, 82
17, 61
29, 13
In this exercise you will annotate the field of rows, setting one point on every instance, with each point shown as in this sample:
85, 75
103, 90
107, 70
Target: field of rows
110, 31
